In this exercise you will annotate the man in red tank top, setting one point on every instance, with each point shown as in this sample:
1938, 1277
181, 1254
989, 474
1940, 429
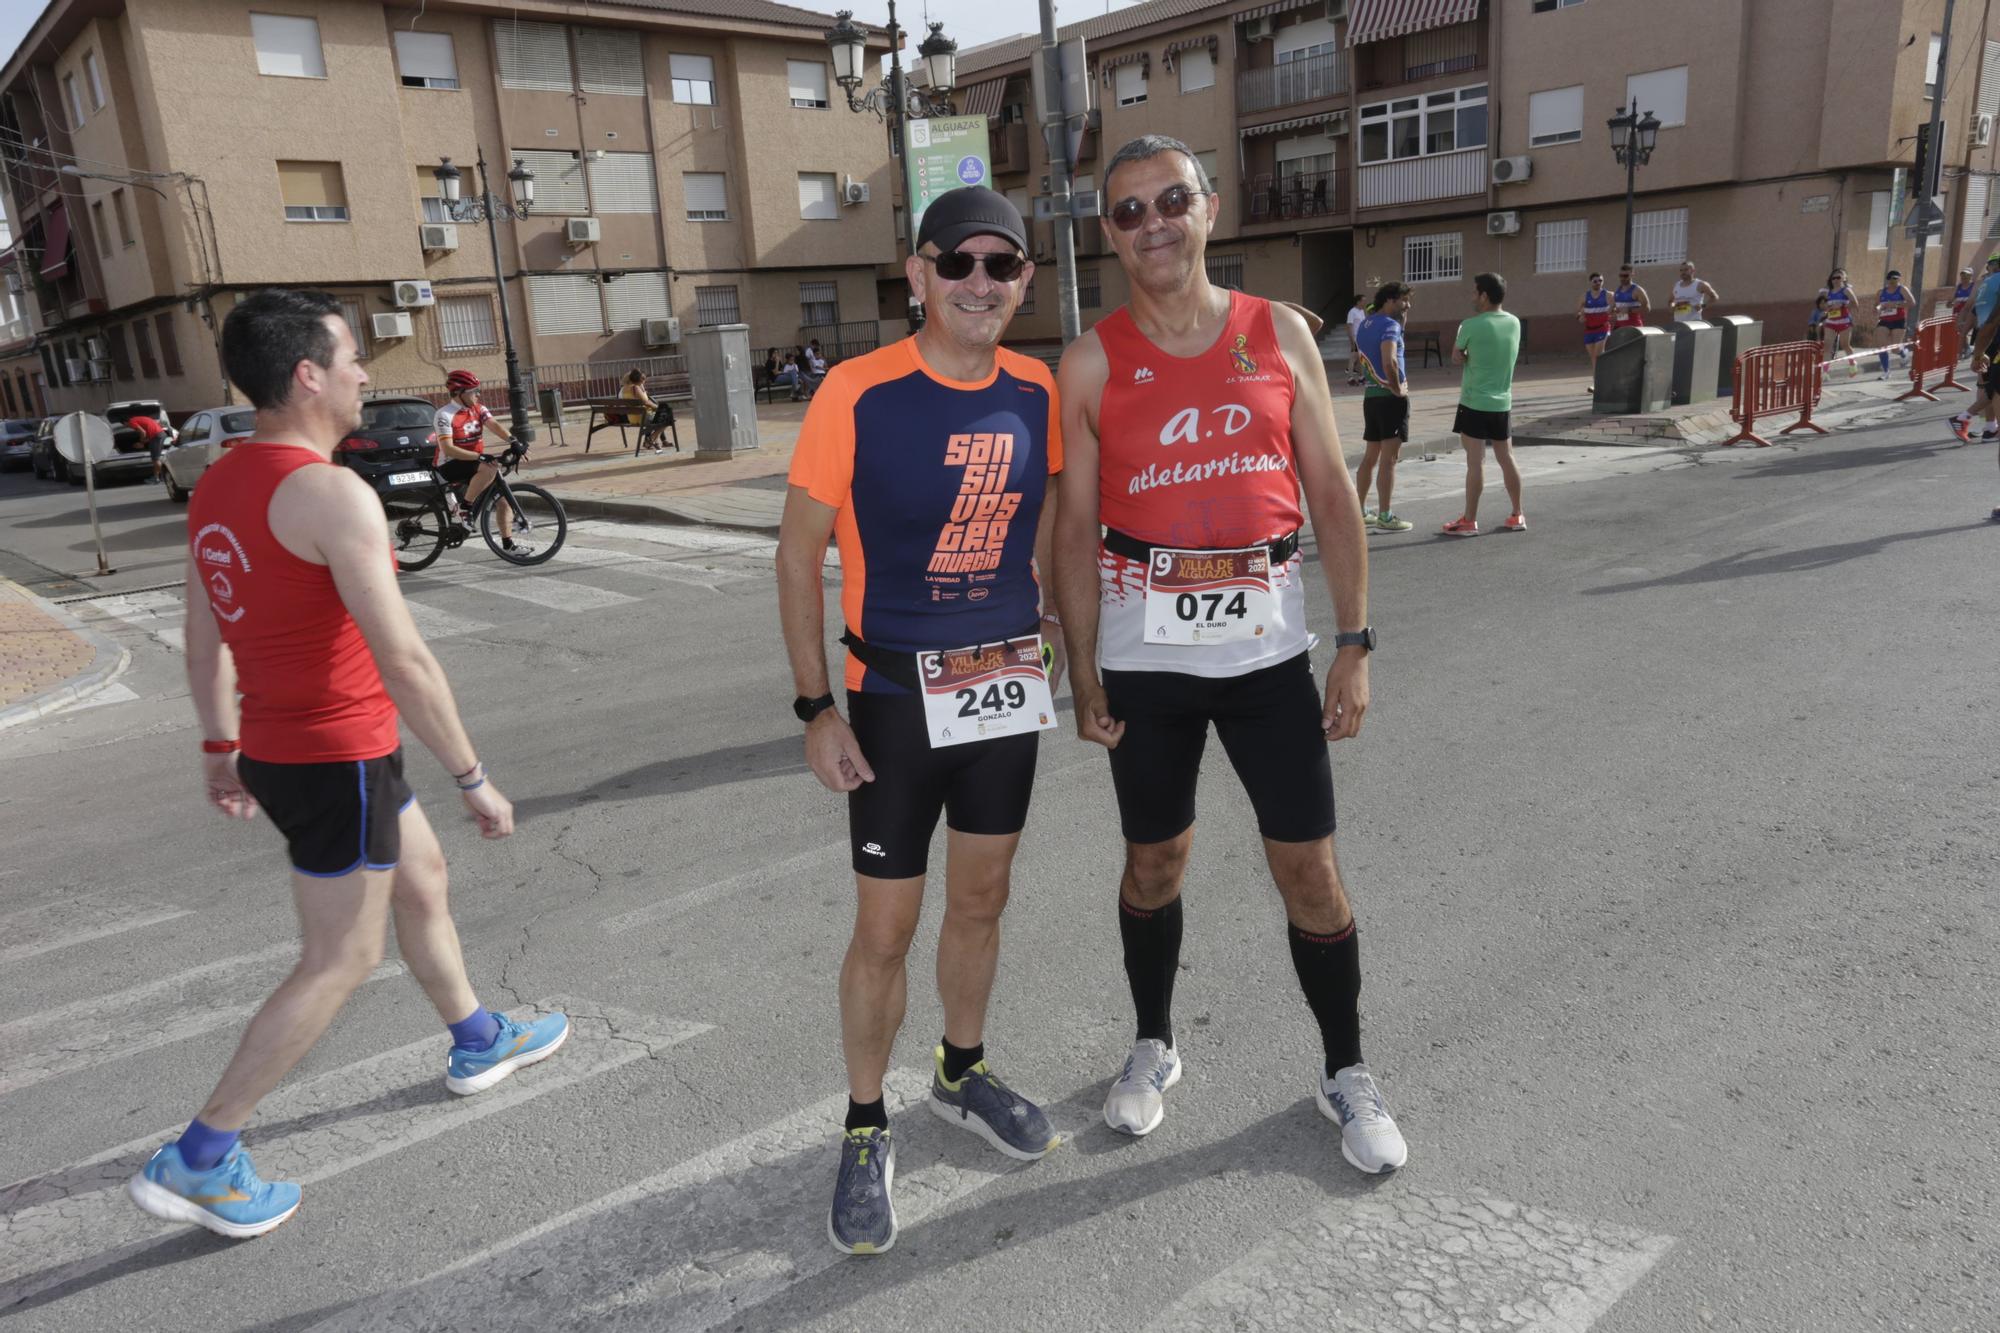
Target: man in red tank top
300, 653
1193, 418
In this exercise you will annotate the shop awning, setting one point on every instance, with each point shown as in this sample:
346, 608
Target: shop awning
55, 244
1377, 20
981, 99
1297, 122
1276, 7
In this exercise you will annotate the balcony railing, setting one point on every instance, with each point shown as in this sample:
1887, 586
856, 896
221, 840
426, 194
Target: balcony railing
1309, 194
1419, 179
1292, 82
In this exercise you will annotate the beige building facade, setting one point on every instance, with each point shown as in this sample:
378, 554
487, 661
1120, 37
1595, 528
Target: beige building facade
163, 157
1354, 142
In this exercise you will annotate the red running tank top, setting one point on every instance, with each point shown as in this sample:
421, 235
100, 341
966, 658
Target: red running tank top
311, 692
1197, 451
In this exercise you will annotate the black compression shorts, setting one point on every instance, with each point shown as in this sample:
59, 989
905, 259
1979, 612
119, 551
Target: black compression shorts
456, 471
980, 787
337, 818
1269, 722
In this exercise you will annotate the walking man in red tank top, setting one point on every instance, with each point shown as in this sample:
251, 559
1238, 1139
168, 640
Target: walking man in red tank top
1193, 418
300, 654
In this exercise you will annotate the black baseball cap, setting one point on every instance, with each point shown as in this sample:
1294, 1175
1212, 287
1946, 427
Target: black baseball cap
971, 210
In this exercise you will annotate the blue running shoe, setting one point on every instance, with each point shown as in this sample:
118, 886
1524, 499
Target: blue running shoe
518, 1044
863, 1220
989, 1108
229, 1198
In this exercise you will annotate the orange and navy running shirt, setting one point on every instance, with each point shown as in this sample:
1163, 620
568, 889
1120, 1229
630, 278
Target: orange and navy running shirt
939, 486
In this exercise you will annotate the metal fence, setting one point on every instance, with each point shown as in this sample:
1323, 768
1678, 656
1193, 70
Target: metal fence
837, 342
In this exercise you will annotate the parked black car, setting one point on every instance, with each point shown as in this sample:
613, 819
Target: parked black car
393, 450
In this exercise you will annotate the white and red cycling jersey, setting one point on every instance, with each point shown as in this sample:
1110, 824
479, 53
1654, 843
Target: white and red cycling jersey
463, 426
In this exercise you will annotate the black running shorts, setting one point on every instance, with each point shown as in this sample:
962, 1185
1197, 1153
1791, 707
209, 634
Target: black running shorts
1386, 418
336, 818
1268, 720
979, 787
1483, 425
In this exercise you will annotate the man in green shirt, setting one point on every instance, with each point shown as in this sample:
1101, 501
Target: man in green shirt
1487, 347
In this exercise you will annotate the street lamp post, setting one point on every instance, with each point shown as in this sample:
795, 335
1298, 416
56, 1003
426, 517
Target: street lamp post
1632, 140
892, 100
489, 207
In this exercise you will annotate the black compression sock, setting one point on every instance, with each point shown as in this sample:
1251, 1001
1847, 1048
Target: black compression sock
1152, 954
867, 1115
1329, 968
958, 1059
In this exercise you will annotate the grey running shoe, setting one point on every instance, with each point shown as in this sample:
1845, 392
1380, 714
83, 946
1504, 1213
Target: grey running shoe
992, 1110
863, 1220
1369, 1139
1136, 1103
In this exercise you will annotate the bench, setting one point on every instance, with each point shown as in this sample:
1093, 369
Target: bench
622, 415
1429, 342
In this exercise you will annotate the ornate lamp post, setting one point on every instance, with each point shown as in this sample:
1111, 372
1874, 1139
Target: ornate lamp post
1632, 140
489, 207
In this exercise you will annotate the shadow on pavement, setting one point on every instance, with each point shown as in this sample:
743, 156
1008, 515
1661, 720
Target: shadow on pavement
669, 777
1749, 564
1809, 462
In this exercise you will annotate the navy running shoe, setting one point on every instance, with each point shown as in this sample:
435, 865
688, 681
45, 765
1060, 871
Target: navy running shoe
989, 1108
863, 1219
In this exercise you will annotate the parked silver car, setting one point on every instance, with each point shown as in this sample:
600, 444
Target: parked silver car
204, 436
17, 439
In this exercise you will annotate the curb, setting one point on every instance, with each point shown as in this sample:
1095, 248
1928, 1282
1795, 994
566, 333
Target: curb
645, 511
107, 665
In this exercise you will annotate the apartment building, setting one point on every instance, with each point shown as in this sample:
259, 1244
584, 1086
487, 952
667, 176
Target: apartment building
1357, 141
692, 160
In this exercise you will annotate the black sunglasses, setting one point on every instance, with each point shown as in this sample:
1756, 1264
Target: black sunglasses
1174, 202
957, 265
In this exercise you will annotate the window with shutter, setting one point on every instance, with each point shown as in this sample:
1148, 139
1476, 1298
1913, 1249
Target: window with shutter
356, 316
1210, 166
1555, 116
715, 305
1562, 247
533, 56
1878, 221
287, 46
1129, 81
124, 218
426, 60
142, 334
819, 303
623, 183
95, 74
430, 197
312, 191
75, 101
707, 196
607, 61
465, 323
98, 225
693, 79
564, 303
1660, 236
559, 181
638, 297
819, 195
1197, 70
808, 82
121, 356
1089, 291
1664, 92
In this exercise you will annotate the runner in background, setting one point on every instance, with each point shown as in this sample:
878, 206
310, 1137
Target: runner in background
1594, 313
1837, 325
1892, 312
1691, 295
1357, 311
1630, 304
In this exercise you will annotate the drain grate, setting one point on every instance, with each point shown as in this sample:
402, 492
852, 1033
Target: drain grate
122, 592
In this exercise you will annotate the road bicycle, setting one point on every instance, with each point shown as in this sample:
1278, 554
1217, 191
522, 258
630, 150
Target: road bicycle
423, 525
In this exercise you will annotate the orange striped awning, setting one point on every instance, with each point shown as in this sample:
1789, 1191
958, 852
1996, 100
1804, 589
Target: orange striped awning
1378, 20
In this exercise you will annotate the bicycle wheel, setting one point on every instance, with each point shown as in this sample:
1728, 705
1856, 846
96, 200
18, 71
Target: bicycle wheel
417, 533
540, 526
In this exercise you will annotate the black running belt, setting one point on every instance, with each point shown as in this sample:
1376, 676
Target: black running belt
895, 665
1119, 543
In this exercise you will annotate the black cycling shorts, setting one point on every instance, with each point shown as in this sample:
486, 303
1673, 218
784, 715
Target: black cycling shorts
457, 471
1480, 425
1268, 720
1385, 418
337, 818
980, 787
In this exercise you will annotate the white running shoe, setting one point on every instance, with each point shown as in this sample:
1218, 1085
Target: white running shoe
1137, 1102
1369, 1139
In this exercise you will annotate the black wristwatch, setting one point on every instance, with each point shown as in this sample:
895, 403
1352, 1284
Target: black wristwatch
1363, 638
807, 709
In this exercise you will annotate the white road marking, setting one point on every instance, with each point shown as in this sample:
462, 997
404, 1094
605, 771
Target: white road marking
115, 693
1400, 1259
104, 1028
695, 1246
77, 1219
39, 930
554, 594
435, 624
689, 538
823, 858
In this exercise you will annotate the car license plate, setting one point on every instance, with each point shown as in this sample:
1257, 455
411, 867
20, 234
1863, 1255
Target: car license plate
408, 478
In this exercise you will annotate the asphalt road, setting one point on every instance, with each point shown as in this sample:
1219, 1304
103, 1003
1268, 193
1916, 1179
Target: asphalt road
1671, 835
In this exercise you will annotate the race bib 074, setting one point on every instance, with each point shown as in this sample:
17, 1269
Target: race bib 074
985, 691
1208, 597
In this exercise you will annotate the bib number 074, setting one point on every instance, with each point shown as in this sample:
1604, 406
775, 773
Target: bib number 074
1209, 606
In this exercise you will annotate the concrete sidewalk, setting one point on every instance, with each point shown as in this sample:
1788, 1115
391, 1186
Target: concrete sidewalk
48, 660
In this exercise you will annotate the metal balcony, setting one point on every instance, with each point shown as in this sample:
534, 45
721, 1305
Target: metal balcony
1292, 82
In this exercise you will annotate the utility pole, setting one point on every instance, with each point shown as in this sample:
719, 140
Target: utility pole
1924, 217
1055, 135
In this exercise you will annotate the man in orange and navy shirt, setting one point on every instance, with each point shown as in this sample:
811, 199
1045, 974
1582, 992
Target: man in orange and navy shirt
928, 462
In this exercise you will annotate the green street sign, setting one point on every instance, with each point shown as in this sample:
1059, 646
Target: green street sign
941, 154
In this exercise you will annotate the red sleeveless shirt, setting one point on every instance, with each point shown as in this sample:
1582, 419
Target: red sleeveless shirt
311, 691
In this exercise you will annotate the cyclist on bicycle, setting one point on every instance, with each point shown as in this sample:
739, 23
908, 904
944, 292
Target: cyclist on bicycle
461, 447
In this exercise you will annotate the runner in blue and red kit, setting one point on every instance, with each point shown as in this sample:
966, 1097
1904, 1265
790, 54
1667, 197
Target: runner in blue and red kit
293, 606
1594, 313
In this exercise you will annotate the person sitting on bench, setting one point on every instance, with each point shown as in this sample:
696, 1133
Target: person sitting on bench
662, 415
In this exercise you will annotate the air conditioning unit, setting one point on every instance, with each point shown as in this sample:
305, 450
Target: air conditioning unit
76, 369
854, 192
661, 332
415, 292
1258, 30
1503, 224
93, 348
438, 236
1982, 131
1336, 10
391, 324
1512, 170
100, 369
1336, 125
583, 231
